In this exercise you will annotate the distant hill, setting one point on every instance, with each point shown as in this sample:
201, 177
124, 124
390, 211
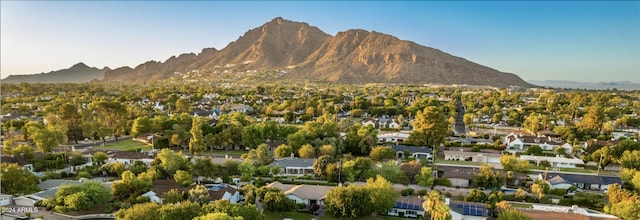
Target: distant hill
621, 85
298, 51
76, 74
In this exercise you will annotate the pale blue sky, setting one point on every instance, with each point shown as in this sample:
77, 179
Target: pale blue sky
573, 40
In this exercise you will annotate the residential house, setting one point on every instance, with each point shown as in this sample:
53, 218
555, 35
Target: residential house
21, 161
304, 194
516, 143
370, 122
468, 210
294, 166
556, 162
129, 158
161, 186
223, 192
459, 176
394, 125
408, 207
395, 137
471, 141
417, 152
48, 189
582, 181
480, 157
5, 199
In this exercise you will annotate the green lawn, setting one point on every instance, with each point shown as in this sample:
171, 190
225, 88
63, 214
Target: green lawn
127, 145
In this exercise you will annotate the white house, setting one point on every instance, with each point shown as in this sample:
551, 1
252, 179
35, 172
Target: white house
481, 157
224, 192
153, 197
557, 161
304, 194
395, 137
520, 143
407, 207
294, 166
5, 199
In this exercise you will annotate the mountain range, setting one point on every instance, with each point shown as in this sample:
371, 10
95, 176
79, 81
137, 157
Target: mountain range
286, 50
77, 73
568, 84
298, 51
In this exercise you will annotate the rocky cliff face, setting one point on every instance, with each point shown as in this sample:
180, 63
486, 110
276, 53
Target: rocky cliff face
307, 53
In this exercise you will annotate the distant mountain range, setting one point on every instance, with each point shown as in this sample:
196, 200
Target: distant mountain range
621, 85
298, 51
78, 73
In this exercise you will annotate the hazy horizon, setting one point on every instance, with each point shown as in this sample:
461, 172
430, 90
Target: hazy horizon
576, 41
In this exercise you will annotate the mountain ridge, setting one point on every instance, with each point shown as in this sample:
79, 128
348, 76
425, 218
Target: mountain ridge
570, 84
78, 73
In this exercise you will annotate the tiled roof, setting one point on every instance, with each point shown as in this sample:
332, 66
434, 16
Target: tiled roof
293, 162
218, 194
412, 149
312, 192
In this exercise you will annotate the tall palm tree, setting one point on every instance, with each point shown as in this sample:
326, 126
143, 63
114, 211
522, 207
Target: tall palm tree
435, 206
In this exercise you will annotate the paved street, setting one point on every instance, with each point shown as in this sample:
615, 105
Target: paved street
459, 126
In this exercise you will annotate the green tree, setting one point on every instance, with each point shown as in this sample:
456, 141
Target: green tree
435, 206
110, 115
511, 163
307, 151
99, 158
382, 194
380, 153
425, 177
411, 169
142, 211
172, 196
262, 153
131, 185
538, 188
252, 136
429, 128
348, 202
217, 216
532, 123
180, 211
199, 194
183, 178
488, 177
141, 125
47, 138
276, 201
328, 150
81, 197
197, 143
71, 119
283, 151
183, 106
170, 161
17, 180
320, 164
630, 159
476, 195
